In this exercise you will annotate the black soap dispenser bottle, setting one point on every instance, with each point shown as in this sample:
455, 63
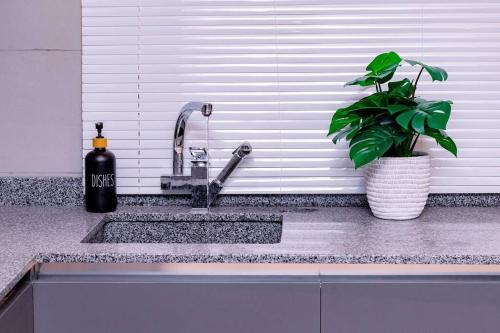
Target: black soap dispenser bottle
100, 176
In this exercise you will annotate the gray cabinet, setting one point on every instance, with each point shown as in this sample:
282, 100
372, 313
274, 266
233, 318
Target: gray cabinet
447, 305
16, 314
130, 299
205, 305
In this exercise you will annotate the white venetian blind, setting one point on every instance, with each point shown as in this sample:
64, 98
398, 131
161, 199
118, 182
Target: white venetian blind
274, 71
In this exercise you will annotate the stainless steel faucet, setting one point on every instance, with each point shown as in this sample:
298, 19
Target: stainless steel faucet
180, 129
202, 193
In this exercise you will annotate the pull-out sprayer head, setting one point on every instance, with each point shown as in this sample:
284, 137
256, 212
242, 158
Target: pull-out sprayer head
238, 154
216, 185
243, 150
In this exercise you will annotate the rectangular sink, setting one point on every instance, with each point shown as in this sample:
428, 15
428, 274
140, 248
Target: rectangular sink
219, 228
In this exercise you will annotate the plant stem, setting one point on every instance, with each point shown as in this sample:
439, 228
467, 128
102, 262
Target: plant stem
379, 87
414, 143
416, 82
376, 87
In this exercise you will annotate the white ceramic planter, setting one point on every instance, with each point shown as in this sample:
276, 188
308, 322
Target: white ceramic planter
397, 187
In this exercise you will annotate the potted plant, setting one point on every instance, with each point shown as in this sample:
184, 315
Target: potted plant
382, 130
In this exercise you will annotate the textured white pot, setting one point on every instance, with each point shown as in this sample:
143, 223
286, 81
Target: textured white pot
397, 187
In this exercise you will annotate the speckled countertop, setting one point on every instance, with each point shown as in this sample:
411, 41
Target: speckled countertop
324, 235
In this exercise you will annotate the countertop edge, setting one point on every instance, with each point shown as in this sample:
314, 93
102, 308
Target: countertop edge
459, 259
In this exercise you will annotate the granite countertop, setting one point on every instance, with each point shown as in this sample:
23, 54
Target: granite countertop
441, 235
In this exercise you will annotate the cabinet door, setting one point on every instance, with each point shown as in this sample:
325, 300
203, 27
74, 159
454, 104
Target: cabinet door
244, 306
410, 306
16, 315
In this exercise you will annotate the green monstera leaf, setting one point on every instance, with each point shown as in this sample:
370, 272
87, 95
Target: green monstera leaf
403, 88
344, 133
350, 115
433, 114
443, 140
380, 70
376, 101
341, 120
373, 143
384, 62
436, 73
371, 79
354, 128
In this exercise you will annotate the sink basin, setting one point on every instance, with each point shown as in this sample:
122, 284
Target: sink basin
241, 228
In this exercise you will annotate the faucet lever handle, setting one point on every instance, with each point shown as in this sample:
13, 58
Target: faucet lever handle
198, 154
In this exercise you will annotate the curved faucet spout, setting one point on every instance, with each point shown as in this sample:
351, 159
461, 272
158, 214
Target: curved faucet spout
180, 128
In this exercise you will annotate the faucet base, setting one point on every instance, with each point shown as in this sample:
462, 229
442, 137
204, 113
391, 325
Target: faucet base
213, 189
176, 184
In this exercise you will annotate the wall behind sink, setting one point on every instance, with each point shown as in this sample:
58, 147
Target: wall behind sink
274, 71
40, 88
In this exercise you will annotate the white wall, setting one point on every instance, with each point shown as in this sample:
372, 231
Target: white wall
40, 87
274, 71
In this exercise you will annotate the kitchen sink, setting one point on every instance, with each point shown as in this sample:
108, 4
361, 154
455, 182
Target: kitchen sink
209, 228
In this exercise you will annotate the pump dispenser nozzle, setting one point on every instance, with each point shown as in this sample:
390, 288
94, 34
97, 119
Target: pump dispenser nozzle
99, 127
99, 141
